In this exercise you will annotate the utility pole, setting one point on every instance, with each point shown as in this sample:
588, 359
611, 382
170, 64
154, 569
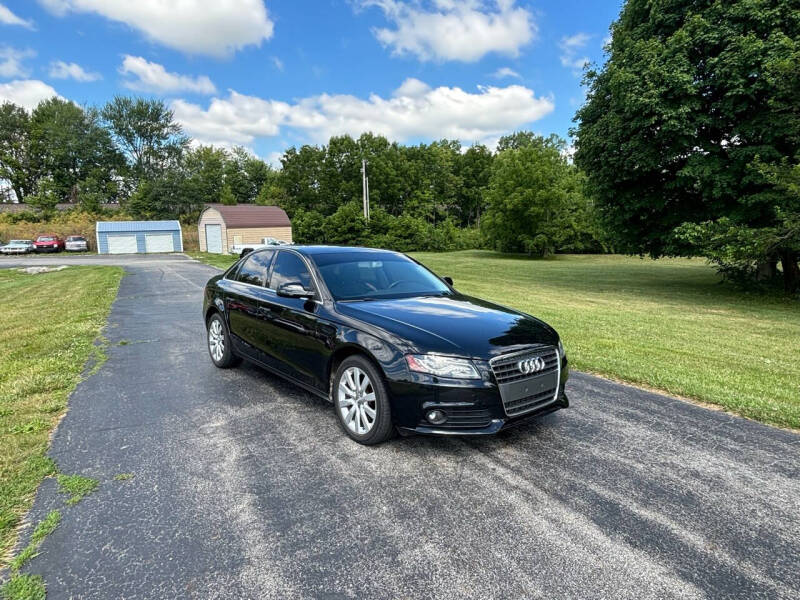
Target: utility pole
365, 188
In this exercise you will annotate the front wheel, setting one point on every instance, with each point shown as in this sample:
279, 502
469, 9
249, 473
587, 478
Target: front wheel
219, 343
361, 402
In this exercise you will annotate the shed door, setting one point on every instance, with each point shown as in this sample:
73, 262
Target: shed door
214, 239
122, 244
159, 242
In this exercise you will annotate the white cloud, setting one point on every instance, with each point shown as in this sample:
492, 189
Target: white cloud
152, 77
9, 18
64, 70
504, 72
412, 88
274, 159
414, 111
26, 92
216, 28
11, 62
462, 30
237, 120
571, 47
278, 63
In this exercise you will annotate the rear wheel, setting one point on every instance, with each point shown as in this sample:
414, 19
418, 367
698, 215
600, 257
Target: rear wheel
361, 402
219, 343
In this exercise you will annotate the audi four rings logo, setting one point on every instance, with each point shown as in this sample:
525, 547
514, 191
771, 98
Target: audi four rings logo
531, 365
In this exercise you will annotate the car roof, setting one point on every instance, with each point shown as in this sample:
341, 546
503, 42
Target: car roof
315, 250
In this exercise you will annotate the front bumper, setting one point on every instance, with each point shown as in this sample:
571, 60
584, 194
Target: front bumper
473, 407
14, 251
76, 248
47, 248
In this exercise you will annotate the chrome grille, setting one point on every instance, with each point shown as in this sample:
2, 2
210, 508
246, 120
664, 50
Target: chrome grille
505, 367
525, 392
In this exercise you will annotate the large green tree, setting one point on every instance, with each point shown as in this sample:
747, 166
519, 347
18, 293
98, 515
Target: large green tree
473, 168
146, 132
687, 119
532, 195
15, 157
68, 145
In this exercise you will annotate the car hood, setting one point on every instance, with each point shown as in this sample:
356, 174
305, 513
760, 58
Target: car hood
458, 324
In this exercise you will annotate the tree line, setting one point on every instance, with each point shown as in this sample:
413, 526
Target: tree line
130, 152
525, 196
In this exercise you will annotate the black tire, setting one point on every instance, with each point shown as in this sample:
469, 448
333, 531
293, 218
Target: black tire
382, 427
217, 328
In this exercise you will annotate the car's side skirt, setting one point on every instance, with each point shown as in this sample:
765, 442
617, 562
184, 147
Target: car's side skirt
289, 378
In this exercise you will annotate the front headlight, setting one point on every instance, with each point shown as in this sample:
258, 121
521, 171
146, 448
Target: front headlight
442, 366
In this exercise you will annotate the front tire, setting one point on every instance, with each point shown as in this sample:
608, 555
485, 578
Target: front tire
218, 342
361, 402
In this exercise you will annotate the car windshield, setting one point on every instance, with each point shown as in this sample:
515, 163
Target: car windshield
75, 238
45, 238
376, 275
19, 242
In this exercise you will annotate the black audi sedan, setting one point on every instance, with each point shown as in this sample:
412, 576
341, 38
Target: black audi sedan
389, 343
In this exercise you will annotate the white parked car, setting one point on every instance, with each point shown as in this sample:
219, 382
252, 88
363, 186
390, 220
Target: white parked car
17, 247
76, 243
242, 249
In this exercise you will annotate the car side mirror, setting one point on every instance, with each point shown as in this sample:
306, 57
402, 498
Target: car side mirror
294, 289
448, 281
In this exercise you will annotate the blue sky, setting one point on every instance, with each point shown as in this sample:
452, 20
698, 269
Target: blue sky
267, 74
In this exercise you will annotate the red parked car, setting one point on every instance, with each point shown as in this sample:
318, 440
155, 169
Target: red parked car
48, 243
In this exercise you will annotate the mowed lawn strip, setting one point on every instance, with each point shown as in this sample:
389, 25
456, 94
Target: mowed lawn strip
221, 261
667, 324
48, 327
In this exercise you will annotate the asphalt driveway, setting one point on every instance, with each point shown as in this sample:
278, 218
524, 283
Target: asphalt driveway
244, 487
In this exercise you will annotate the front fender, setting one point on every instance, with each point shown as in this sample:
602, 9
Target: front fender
387, 356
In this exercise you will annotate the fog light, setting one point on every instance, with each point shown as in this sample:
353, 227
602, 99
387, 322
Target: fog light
437, 417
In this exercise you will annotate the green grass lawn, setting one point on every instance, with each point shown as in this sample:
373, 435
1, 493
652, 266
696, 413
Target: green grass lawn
48, 326
667, 324
221, 261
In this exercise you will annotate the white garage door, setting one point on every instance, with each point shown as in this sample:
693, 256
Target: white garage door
122, 244
214, 239
158, 242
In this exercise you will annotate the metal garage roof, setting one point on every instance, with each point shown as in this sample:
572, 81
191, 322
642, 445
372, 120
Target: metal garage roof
252, 215
113, 226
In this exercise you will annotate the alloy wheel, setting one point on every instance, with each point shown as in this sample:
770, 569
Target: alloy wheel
216, 340
357, 401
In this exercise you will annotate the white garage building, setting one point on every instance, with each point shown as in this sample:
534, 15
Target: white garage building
131, 237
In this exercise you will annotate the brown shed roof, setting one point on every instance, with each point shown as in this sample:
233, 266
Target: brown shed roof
252, 215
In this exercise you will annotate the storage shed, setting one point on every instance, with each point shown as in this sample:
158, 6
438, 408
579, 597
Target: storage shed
222, 226
130, 237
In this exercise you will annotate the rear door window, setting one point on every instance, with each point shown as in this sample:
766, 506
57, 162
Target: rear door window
254, 269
